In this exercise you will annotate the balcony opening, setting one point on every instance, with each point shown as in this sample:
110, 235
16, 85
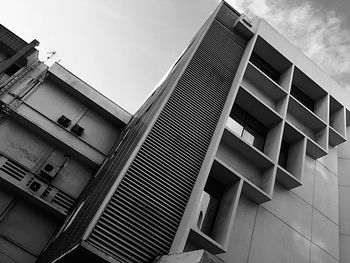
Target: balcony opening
302, 98
210, 203
247, 127
265, 67
283, 157
271, 62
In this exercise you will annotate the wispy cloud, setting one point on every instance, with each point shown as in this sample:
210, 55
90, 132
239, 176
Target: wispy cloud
319, 33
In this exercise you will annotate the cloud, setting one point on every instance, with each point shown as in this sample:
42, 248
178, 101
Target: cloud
319, 33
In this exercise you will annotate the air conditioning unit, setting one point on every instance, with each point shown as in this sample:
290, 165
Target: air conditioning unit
48, 171
78, 130
64, 121
36, 186
244, 25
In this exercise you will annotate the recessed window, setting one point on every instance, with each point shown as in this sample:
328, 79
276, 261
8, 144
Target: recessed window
12, 70
210, 203
248, 128
265, 67
302, 97
283, 158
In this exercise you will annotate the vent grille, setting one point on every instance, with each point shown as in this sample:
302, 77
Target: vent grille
63, 200
141, 219
13, 170
18, 175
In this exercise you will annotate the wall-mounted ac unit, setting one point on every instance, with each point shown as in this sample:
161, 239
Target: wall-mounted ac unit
48, 171
36, 186
64, 121
78, 130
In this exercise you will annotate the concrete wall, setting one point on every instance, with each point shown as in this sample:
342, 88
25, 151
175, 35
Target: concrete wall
344, 197
302, 224
295, 226
24, 229
34, 205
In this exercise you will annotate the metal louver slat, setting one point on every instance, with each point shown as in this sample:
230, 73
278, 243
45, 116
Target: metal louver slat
164, 173
140, 235
152, 196
152, 224
158, 188
149, 210
165, 182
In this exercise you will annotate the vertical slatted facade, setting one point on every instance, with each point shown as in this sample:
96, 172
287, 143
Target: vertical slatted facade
93, 196
142, 218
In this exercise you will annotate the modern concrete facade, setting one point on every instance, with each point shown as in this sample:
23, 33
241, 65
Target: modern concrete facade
239, 156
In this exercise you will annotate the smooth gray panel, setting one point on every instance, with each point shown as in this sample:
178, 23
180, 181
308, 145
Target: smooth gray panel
344, 211
330, 161
344, 148
325, 233
276, 242
305, 191
344, 172
320, 256
326, 192
238, 249
28, 226
291, 209
344, 249
5, 199
10, 253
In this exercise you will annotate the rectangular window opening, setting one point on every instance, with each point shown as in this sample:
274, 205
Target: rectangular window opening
265, 67
210, 203
248, 128
302, 98
283, 157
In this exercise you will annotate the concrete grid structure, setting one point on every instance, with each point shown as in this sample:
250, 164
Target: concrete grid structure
239, 156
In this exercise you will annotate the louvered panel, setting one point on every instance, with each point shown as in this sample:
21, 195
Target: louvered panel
128, 241
14, 170
173, 151
164, 182
119, 245
159, 182
165, 173
147, 202
169, 167
136, 238
131, 220
148, 182
149, 199
154, 195
150, 211
63, 200
141, 209
190, 136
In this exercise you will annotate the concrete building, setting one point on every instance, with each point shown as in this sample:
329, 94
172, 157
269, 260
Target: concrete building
55, 131
239, 156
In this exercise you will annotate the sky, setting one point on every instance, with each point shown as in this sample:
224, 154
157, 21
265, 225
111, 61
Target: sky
123, 48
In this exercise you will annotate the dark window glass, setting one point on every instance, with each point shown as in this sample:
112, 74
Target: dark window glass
210, 203
265, 67
283, 158
245, 126
12, 70
302, 97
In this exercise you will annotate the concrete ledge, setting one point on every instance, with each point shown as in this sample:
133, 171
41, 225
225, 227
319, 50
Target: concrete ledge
198, 256
88, 92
